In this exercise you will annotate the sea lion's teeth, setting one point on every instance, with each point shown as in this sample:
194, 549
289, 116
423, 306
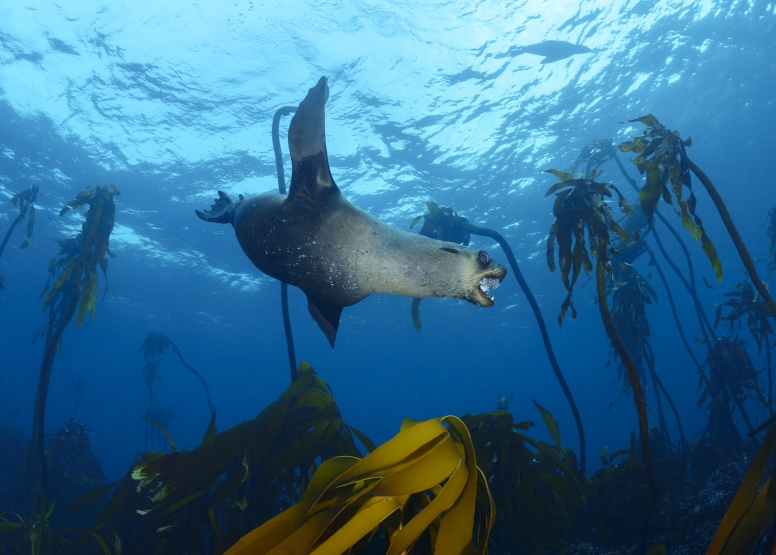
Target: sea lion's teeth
492, 299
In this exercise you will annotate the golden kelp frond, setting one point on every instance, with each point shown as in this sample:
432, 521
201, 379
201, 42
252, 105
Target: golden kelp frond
753, 507
581, 206
423, 479
207, 498
661, 156
74, 270
535, 485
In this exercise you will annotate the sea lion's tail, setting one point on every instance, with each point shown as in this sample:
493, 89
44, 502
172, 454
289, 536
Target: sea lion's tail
222, 211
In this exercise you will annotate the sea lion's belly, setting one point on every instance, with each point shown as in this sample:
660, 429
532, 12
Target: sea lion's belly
327, 252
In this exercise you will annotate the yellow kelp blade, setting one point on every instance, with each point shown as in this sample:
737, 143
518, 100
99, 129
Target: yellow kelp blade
348, 498
747, 504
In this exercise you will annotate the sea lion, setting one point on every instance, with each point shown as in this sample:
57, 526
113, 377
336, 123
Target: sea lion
552, 50
315, 239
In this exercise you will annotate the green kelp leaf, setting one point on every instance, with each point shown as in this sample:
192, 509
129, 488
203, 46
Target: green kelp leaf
564, 176
711, 252
551, 423
30, 226
416, 220
559, 186
649, 120
636, 145
649, 194
658, 549
551, 246
687, 221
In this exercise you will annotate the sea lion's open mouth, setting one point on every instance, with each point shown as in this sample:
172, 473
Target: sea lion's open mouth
482, 295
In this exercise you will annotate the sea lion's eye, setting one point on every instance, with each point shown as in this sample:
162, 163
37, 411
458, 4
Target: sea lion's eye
483, 257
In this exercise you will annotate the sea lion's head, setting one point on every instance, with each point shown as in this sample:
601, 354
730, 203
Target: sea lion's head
478, 274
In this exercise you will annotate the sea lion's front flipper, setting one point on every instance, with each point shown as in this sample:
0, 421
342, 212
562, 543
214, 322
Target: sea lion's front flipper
222, 211
311, 178
327, 315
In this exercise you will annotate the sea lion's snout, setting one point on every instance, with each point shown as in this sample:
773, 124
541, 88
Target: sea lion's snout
489, 277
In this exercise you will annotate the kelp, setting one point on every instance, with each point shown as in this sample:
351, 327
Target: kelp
24, 202
746, 303
732, 381
203, 500
279, 113
422, 483
79, 388
161, 416
444, 224
154, 346
72, 284
663, 157
752, 509
580, 207
535, 485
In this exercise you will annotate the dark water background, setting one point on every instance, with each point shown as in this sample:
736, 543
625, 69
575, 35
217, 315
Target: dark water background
172, 103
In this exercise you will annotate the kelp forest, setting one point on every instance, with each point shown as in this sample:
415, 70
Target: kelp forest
299, 479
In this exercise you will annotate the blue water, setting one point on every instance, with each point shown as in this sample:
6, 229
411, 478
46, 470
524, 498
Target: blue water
172, 101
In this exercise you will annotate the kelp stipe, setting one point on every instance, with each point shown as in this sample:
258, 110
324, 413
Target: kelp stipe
153, 347
422, 482
72, 284
283, 111
24, 202
663, 156
580, 207
444, 224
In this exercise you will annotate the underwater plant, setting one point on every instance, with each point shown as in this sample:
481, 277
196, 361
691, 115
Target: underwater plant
203, 500
72, 284
279, 113
580, 207
753, 508
732, 380
423, 479
663, 156
161, 416
746, 303
24, 201
444, 224
536, 486
153, 347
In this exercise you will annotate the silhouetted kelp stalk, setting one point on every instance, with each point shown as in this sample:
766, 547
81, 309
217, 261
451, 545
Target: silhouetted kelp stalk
153, 347
72, 284
663, 156
284, 111
581, 207
445, 225
24, 201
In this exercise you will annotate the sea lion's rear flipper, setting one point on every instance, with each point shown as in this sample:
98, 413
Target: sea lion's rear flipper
221, 212
326, 315
311, 179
